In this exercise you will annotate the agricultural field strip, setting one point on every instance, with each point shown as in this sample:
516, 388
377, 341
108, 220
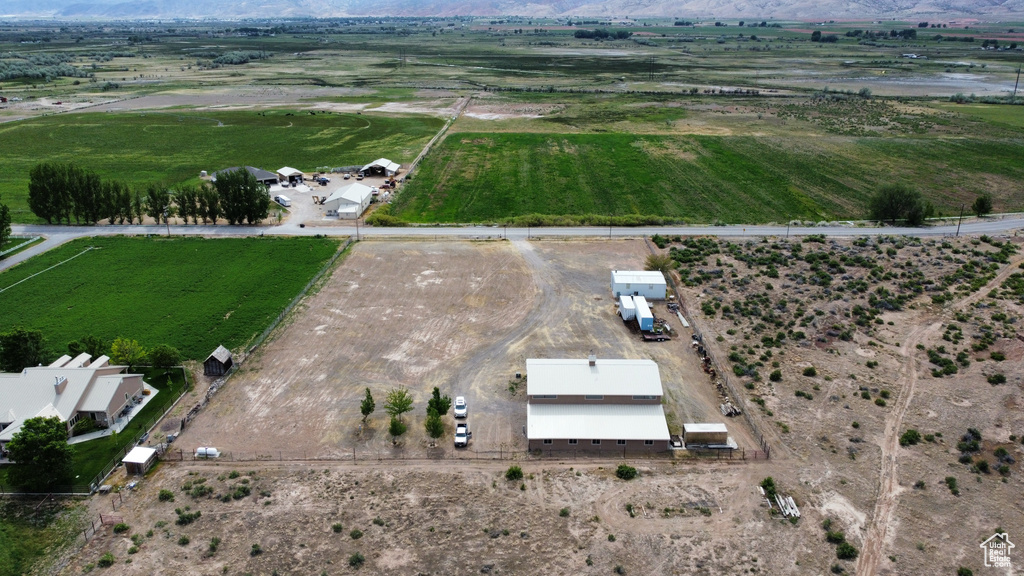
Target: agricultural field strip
48, 269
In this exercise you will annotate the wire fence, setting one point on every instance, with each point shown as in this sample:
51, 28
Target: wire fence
302, 294
723, 376
460, 454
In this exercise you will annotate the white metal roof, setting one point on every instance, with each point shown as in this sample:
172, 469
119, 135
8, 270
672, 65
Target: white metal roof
708, 427
100, 394
571, 376
139, 455
355, 193
288, 171
627, 302
596, 421
637, 277
383, 163
25, 394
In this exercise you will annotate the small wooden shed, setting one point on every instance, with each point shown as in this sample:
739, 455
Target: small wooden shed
139, 460
218, 363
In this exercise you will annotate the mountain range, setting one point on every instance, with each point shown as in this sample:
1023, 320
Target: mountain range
686, 9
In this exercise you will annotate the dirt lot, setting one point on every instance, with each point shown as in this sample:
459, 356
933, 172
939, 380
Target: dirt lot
458, 315
880, 325
426, 519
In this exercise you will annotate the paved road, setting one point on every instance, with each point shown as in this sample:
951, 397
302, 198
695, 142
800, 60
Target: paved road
57, 235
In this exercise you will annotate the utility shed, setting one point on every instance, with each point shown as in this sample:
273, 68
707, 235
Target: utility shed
381, 167
627, 309
139, 460
288, 174
644, 316
218, 363
647, 283
349, 202
712, 434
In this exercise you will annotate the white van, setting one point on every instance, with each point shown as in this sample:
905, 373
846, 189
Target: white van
283, 200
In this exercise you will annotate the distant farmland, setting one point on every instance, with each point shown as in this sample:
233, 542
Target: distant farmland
191, 293
171, 147
491, 177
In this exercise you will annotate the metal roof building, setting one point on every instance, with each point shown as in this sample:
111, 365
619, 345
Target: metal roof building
349, 202
260, 174
576, 377
647, 283
602, 421
593, 405
381, 166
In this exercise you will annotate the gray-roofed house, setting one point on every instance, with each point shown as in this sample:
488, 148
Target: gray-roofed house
264, 176
595, 405
218, 363
70, 389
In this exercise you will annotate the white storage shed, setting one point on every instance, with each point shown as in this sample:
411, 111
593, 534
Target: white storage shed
349, 202
647, 283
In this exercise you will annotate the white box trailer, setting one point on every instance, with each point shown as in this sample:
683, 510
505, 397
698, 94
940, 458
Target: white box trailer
644, 317
283, 200
626, 307
207, 452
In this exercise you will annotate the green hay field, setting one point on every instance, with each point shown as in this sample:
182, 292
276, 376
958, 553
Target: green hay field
190, 293
171, 147
478, 177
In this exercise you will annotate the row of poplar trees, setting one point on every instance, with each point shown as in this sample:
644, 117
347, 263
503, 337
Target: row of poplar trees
59, 192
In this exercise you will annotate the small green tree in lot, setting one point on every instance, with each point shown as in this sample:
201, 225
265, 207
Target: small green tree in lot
439, 403
659, 262
396, 429
982, 205
41, 453
164, 356
367, 406
398, 402
433, 424
127, 352
898, 202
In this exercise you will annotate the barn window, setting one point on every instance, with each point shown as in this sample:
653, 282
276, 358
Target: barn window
594, 397
620, 442
547, 441
595, 442
545, 396
573, 442
648, 442
644, 397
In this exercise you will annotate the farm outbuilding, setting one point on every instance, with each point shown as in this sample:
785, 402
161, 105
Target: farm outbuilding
647, 283
263, 176
595, 405
709, 435
349, 202
139, 460
381, 167
218, 363
290, 175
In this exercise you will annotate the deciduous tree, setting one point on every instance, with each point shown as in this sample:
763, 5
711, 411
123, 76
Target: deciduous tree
982, 205
898, 202
164, 356
41, 453
433, 424
396, 429
438, 403
5, 223
127, 352
20, 348
398, 402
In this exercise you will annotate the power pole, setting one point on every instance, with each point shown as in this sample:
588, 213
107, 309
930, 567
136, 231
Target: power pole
960, 220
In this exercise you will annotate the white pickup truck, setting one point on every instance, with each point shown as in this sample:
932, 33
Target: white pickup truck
462, 434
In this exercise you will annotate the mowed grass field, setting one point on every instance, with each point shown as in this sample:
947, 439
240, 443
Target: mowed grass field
491, 177
172, 147
190, 293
